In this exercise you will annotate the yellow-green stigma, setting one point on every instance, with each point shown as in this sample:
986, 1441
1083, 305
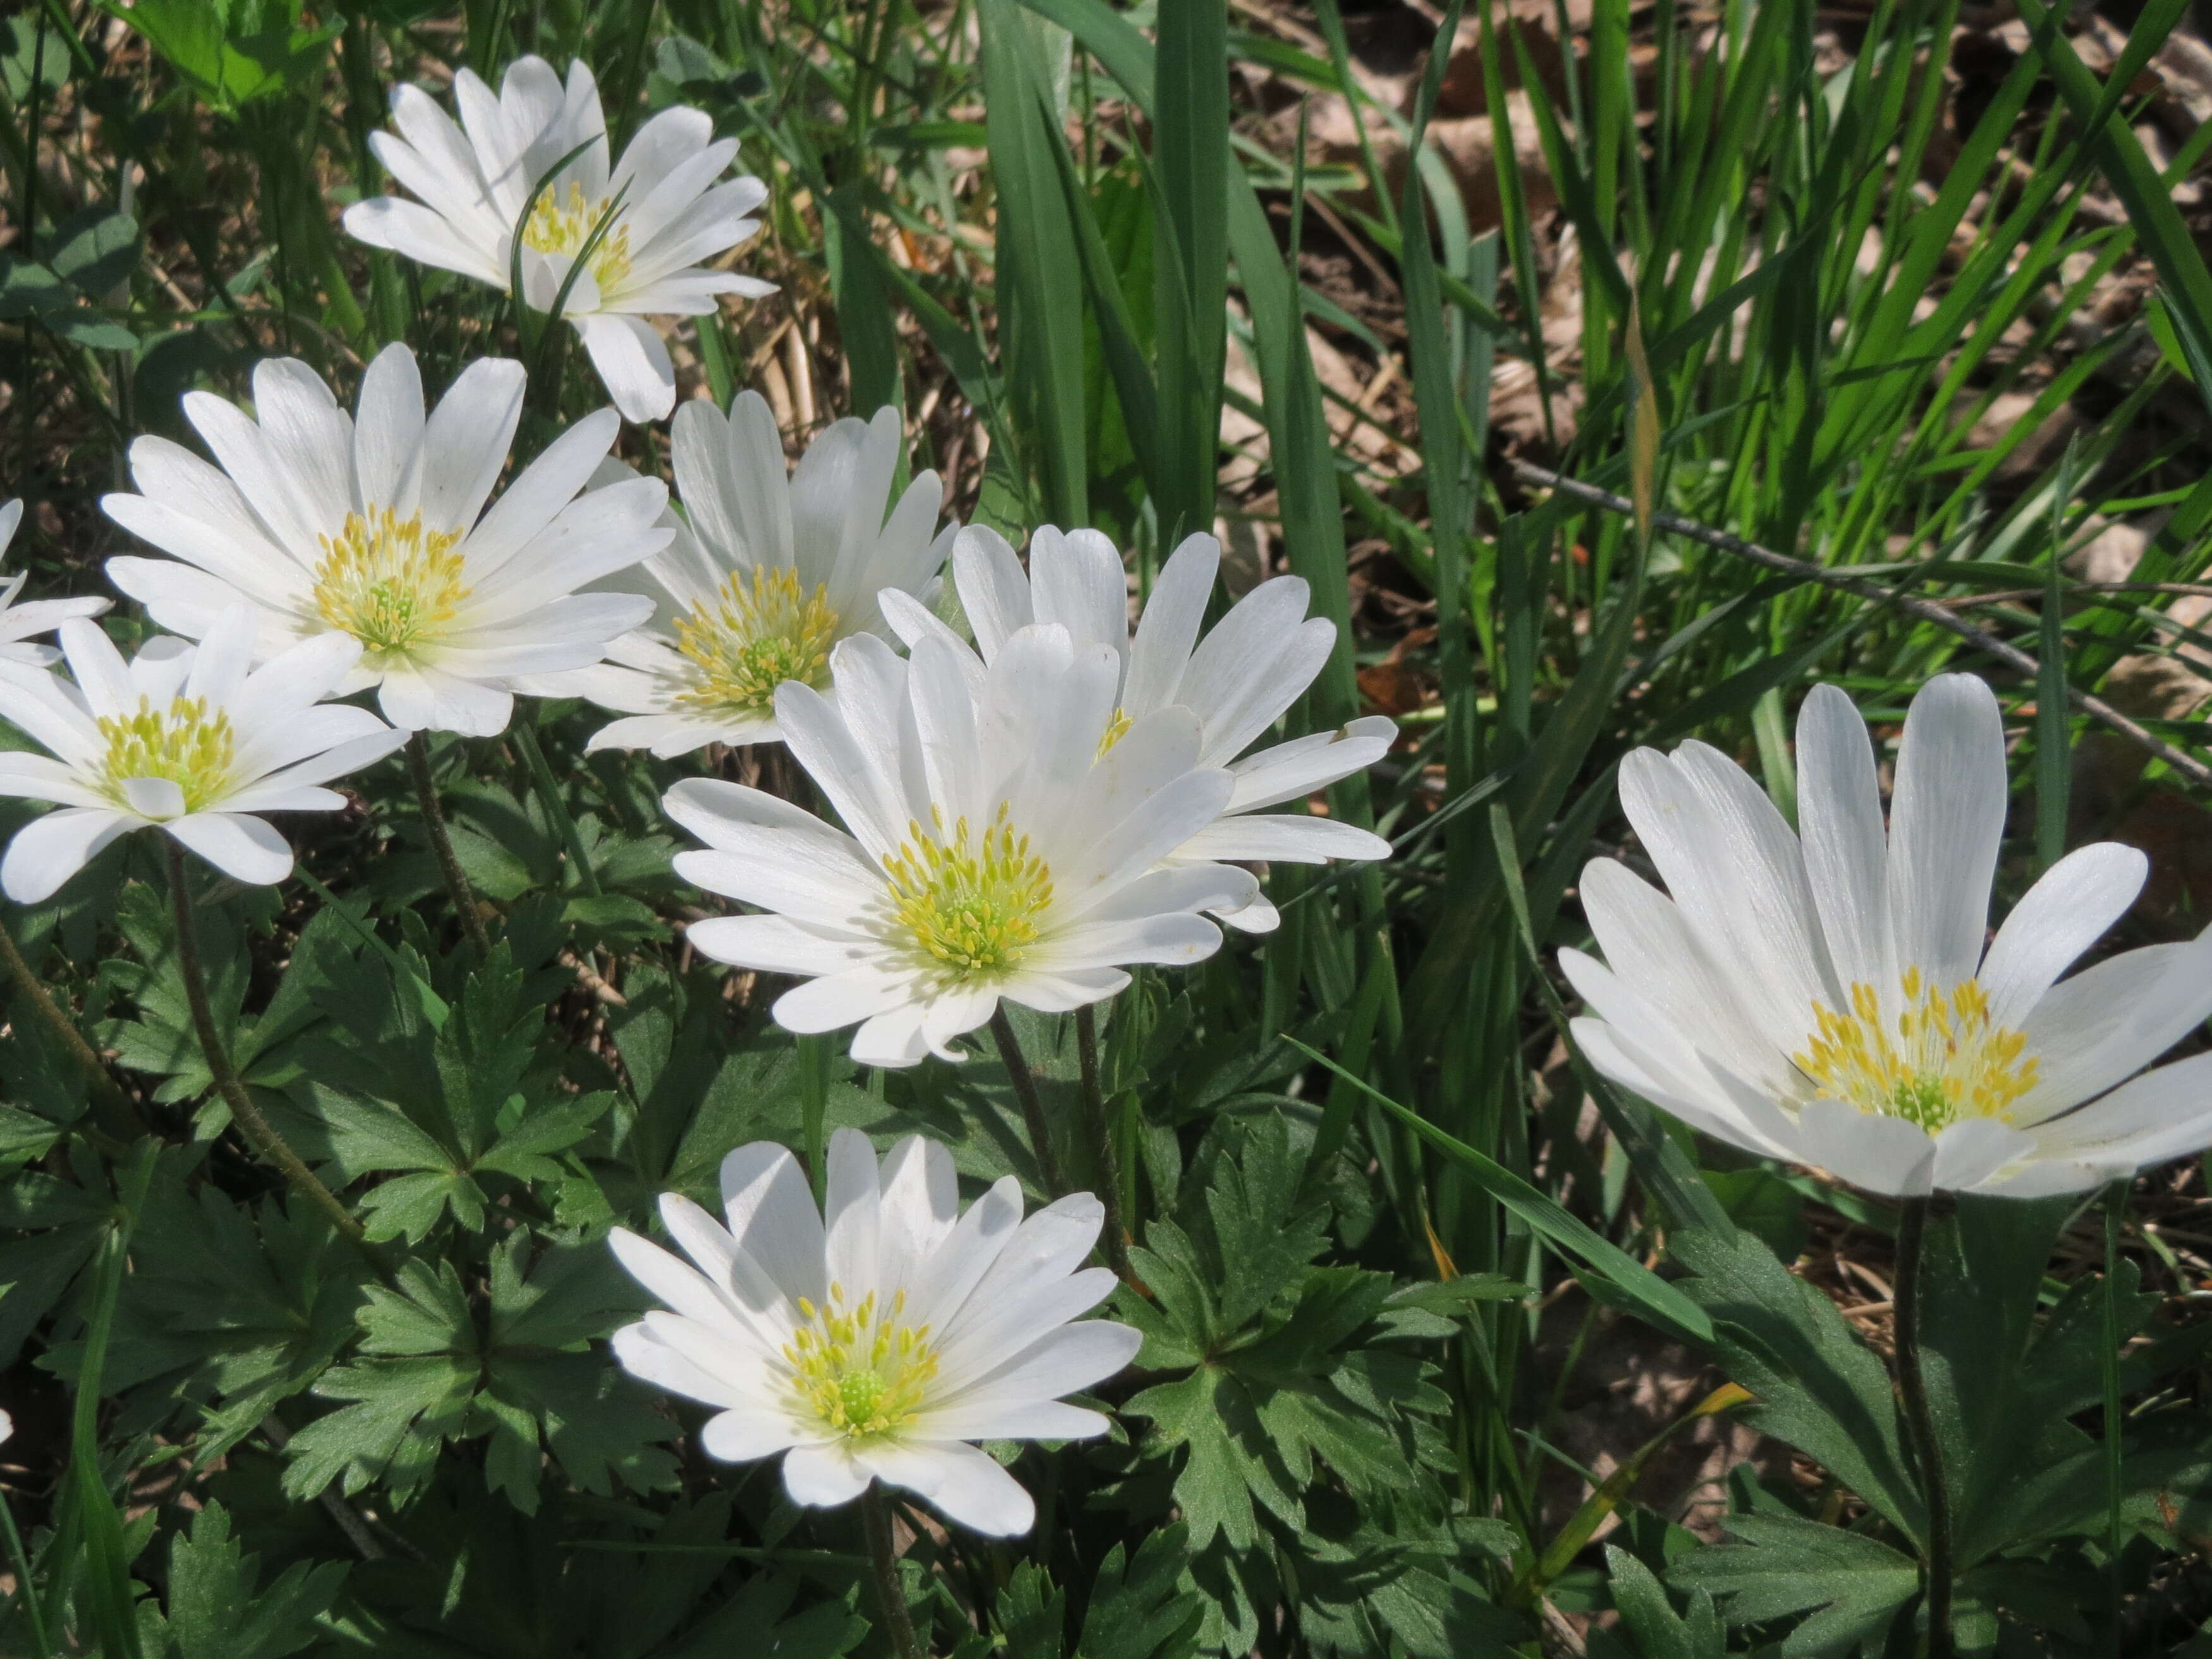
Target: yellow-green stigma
183, 743
1117, 729
862, 1373
761, 629
1939, 1059
972, 903
562, 223
389, 582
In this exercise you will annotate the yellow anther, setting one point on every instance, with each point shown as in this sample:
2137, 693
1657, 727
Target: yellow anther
970, 904
184, 743
1947, 1061
1117, 729
760, 630
859, 1374
388, 581
563, 222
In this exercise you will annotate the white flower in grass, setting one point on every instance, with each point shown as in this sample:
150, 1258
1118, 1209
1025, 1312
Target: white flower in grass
188, 740
642, 228
1238, 679
19, 623
878, 1347
768, 576
999, 847
373, 526
1829, 1001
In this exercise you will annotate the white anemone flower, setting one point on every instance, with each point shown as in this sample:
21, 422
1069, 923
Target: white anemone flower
998, 845
19, 623
642, 229
191, 741
1829, 1001
765, 579
877, 1345
1239, 679
374, 526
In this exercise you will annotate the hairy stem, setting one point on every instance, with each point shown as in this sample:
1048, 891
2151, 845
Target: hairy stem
256, 1128
1101, 1140
882, 1562
117, 1115
1920, 1426
1025, 1091
441, 843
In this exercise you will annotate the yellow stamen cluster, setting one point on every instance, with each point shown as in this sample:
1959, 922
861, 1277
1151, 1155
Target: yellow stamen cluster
1937, 1060
562, 223
971, 903
388, 581
761, 629
184, 743
1117, 729
861, 1371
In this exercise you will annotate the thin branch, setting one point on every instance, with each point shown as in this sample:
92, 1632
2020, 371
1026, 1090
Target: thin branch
1926, 611
252, 1124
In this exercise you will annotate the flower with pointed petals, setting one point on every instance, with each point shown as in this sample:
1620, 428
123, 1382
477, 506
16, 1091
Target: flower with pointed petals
1828, 1000
373, 526
631, 240
879, 1343
192, 740
19, 623
999, 847
1238, 679
765, 579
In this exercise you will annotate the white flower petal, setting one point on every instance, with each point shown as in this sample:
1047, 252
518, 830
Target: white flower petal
1947, 817
244, 848
822, 1477
961, 1483
2068, 910
47, 851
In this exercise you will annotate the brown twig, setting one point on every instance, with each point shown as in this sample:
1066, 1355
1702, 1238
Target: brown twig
1926, 611
441, 843
118, 1111
252, 1124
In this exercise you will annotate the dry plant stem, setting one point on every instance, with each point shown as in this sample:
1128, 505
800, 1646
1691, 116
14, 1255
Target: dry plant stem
1920, 1427
1025, 1091
118, 1114
1102, 1131
255, 1127
1925, 610
891, 1595
441, 843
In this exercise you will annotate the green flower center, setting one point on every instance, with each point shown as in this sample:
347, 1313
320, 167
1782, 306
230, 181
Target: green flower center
862, 1371
563, 223
761, 629
972, 905
389, 582
1939, 1059
183, 743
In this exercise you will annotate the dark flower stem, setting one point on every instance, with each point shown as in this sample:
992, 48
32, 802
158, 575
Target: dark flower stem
1102, 1134
118, 1114
252, 1124
1920, 1427
1025, 1091
441, 843
882, 1562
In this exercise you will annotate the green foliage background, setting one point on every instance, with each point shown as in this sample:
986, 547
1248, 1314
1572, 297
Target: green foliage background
240, 1436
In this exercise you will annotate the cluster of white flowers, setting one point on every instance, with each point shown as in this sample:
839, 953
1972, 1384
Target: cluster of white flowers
1021, 816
